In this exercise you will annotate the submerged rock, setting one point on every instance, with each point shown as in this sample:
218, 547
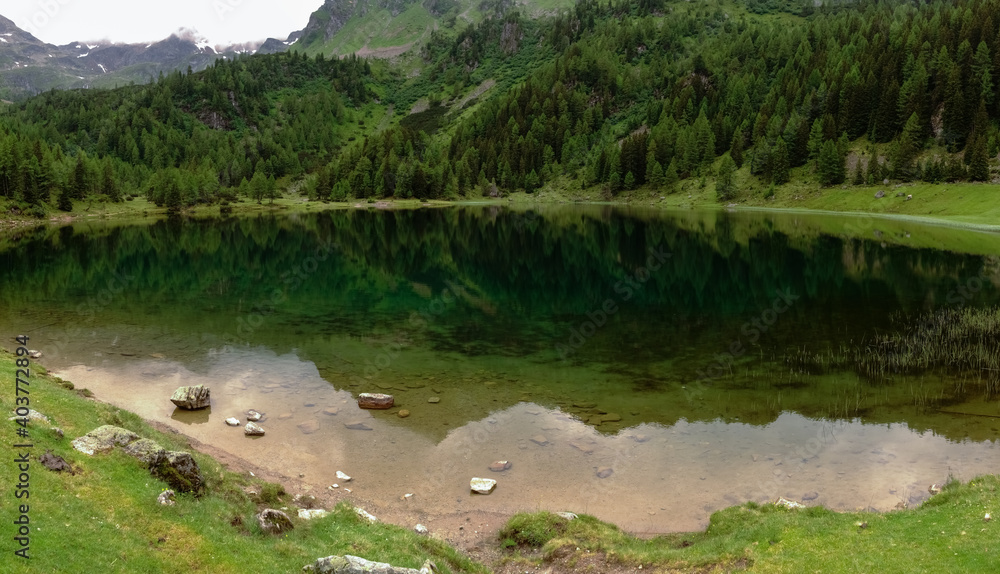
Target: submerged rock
403, 413
104, 439
605, 471
434, 400
310, 426
274, 521
540, 440
378, 401
482, 485
253, 416
500, 466
192, 398
357, 425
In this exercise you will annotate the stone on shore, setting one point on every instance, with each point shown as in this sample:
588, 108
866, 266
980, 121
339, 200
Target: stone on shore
309, 514
421, 530
365, 515
104, 439
253, 429
274, 521
341, 476
377, 401
348, 564
500, 466
192, 398
567, 515
482, 485
166, 498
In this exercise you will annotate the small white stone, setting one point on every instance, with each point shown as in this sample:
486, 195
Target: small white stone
408, 495
482, 485
420, 529
365, 515
343, 477
233, 422
313, 513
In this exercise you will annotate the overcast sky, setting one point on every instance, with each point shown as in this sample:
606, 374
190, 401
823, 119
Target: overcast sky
220, 21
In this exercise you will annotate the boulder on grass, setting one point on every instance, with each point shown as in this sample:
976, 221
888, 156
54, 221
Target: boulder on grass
192, 398
104, 439
180, 471
274, 521
354, 565
375, 401
146, 450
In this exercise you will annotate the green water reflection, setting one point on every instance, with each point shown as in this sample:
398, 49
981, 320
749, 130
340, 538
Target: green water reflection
619, 316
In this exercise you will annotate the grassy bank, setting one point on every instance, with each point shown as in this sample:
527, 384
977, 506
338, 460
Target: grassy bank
105, 517
947, 534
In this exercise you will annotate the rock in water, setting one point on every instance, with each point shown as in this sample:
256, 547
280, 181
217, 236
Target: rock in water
605, 471
540, 440
253, 429
233, 422
500, 466
274, 521
403, 413
310, 426
192, 398
375, 401
180, 471
253, 416
104, 439
357, 425
482, 485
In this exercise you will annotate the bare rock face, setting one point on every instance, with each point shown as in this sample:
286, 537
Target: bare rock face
104, 439
192, 398
180, 471
378, 401
274, 521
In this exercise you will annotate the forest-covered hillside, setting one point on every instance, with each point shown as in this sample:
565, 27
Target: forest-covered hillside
619, 95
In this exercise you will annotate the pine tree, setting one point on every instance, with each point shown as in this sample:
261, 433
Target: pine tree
830, 164
670, 175
656, 175
977, 160
736, 148
779, 163
815, 139
725, 179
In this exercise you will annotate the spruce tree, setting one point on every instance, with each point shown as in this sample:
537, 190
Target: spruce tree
725, 179
779, 163
977, 160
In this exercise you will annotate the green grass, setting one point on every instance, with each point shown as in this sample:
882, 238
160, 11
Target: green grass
105, 518
946, 534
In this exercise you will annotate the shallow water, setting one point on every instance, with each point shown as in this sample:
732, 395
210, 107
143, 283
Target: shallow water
567, 340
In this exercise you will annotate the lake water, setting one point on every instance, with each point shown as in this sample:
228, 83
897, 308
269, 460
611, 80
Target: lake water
642, 366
